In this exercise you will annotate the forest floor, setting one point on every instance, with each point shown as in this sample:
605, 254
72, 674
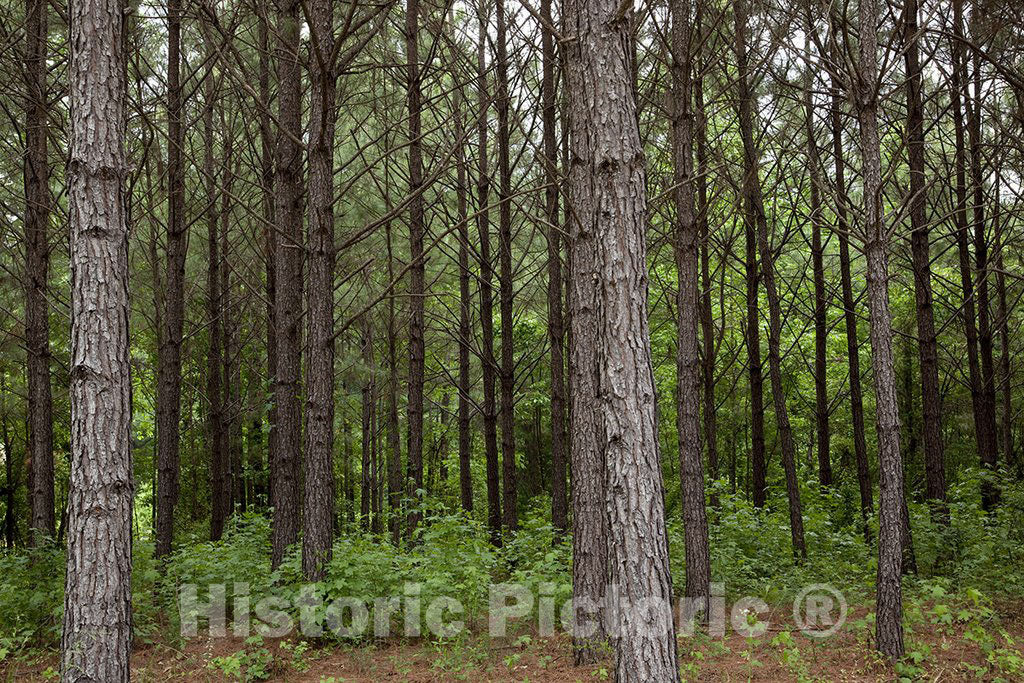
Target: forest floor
938, 649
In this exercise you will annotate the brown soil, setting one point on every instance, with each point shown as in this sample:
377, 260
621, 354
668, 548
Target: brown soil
846, 656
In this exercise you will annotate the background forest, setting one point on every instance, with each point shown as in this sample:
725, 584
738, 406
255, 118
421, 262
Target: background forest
351, 276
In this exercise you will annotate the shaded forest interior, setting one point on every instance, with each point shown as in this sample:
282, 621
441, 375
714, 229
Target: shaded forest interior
571, 295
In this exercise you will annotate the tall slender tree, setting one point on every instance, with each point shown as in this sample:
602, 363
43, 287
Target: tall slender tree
889, 599
935, 471
318, 500
487, 360
556, 324
509, 492
416, 255
288, 175
688, 383
37, 271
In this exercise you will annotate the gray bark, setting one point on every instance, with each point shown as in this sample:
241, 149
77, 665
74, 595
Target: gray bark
97, 601
611, 341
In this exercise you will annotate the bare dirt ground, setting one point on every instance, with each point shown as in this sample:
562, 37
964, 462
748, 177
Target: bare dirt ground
937, 652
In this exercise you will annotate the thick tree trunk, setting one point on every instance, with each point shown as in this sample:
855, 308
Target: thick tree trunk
688, 384
510, 497
935, 471
590, 546
286, 466
97, 600
483, 191
414, 409
889, 601
556, 325
37, 273
860, 447
318, 496
611, 326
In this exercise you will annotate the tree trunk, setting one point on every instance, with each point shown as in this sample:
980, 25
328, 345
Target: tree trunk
860, 447
935, 471
465, 304
318, 497
367, 429
96, 640
688, 384
287, 461
611, 327
231, 367
37, 270
821, 412
510, 497
270, 246
706, 321
220, 491
395, 487
960, 89
416, 256
755, 214
757, 455
483, 190
1003, 323
10, 523
989, 434
556, 326
889, 601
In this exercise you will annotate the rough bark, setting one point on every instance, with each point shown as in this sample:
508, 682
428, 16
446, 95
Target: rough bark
414, 408
97, 600
688, 381
935, 471
37, 272
285, 468
556, 324
318, 496
889, 601
611, 326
